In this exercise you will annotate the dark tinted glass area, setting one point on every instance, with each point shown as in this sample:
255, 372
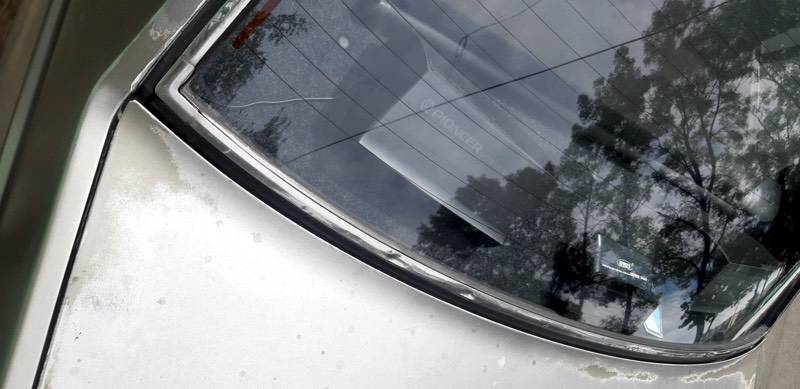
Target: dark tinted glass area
632, 165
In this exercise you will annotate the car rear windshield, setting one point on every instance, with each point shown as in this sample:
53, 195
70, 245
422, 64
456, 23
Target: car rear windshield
630, 165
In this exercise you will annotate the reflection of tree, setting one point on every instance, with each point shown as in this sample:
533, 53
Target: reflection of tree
282, 25
776, 108
580, 198
270, 137
514, 268
698, 112
695, 115
601, 162
665, 150
222, 75
449, 237
660, 163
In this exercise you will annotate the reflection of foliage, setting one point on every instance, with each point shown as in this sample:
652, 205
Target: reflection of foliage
660, 162
283, 25
478, 255
451, 236
699, 114
221, 75
665, 149
612, 117
695, 116
270, 137
600, 168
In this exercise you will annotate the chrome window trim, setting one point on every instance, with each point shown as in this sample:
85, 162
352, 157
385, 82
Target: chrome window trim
778, 291
582, 335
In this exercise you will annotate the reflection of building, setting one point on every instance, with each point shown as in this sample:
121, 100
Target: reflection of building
737, 289
733, 284
733, 318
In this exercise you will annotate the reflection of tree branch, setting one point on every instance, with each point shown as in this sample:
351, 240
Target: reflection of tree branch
694, 265
694, 172
684, 221
721, 235
677, 186
709, 132
282, 26
680, 160
780, 85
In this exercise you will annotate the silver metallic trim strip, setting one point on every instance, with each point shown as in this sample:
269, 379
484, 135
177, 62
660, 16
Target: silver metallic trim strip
225, 140
211, 33
106, 99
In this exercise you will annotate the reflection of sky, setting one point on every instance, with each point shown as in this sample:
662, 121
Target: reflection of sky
548, 124
314, 65
672, 296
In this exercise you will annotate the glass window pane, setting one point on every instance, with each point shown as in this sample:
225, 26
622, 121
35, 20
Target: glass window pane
628, 165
